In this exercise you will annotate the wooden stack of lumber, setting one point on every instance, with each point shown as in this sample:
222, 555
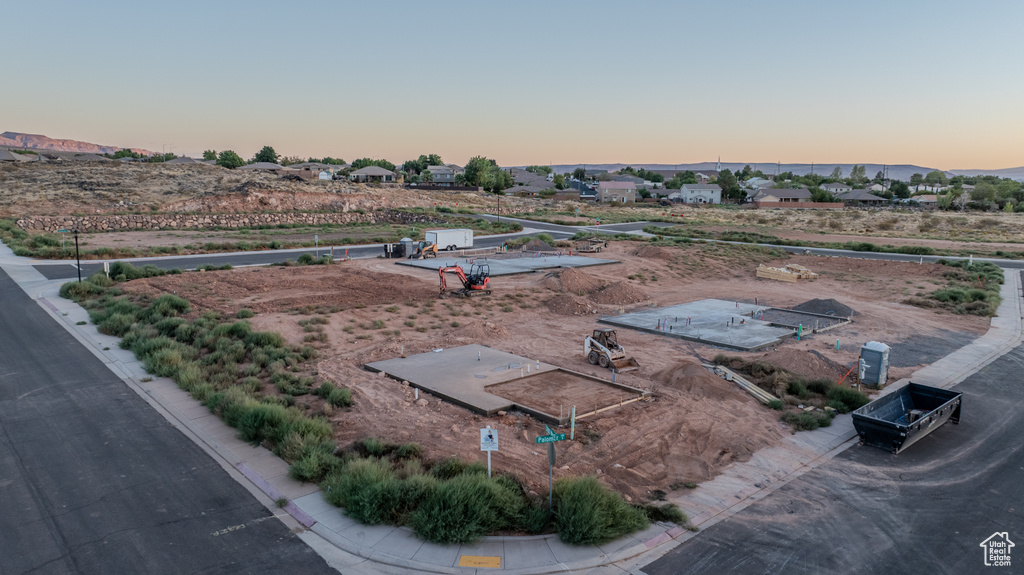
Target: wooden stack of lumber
790, 273
729, 375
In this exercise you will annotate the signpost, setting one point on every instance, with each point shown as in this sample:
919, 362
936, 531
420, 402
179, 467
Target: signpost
550, 439
316, 243
62, 232
488, 443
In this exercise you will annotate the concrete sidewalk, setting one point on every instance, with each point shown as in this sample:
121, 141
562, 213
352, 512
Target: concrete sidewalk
387, 549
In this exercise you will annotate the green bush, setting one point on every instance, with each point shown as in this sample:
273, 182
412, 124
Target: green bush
316, 461
366, 488
453, 467
807, 420
666, 512
820, 386
851, 398
587, 513
775, 404
466, 507
797, 388
244, 314
264, 339
78, 291
116, 324
305, 260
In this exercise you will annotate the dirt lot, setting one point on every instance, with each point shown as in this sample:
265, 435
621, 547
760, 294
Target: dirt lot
696, 423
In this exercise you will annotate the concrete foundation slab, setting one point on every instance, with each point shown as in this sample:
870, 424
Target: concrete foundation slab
712, 321
503, 266
487, 381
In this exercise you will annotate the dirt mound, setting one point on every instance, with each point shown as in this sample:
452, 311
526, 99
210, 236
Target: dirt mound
566, 304
807, 364
579, 283
536, 245
826, 307
653, 252
619, 293
697, 382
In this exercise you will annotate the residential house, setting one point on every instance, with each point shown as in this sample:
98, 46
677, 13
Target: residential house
182, 160
705, 176
758, 183
441, 176
264, 166
700, 194
862, 198
316, 167
783, 195
876, 188
8, 156
620, 192
372, 174
926, 201
836, 188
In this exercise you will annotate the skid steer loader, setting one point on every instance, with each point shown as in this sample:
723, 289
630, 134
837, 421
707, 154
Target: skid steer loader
603, 349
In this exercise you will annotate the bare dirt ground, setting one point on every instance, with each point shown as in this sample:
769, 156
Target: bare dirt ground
696, 423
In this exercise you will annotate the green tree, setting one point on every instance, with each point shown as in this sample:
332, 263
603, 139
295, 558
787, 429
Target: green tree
477, 170
837, 173
820, 195
900, 189
539, 170
559, 181
328, 160
579, 173
879, 178
944, 201
936, 177
916, 179
681, 178
267, 154
730, 186
643, 193
858, 174
230, 160
364, 162
209, 155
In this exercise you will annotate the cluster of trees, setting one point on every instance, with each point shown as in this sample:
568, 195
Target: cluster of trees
364, 162
680, 179
416, 172
540, 170
642, 173
484, 172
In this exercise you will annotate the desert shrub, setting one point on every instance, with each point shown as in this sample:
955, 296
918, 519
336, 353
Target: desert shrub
851, 398
257, 422
167, 305
375, 448
409, 451
797, 388
366, 488
807, 420
316, 461
77, 291
453, 467
775, 404
244, 314
819, 386
169, 326
264, 339
587, 513
537, 519
305, 259
466, 507
666, 512
116, 324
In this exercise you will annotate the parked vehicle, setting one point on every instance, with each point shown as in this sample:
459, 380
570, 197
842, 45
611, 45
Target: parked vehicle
898, 420
458, 239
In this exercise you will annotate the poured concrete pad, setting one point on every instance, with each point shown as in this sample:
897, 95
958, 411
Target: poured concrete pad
509, 265
456, 375
499, 381
712, 321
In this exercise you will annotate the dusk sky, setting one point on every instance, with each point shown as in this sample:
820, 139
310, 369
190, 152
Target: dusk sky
930, 82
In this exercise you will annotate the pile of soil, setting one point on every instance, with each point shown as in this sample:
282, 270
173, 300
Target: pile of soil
536, 245
808, 364
619, 293
566, 304
826, 307
580, 283
653, 252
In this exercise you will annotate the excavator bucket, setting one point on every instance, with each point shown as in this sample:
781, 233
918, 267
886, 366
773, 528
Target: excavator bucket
625, 364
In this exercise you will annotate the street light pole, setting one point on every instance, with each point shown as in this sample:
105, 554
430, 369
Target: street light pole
499, 209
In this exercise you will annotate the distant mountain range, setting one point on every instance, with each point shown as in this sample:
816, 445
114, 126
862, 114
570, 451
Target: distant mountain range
39, 142
894, 171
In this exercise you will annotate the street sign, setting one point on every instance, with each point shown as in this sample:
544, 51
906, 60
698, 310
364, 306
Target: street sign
488, 439
551, 438
63, 231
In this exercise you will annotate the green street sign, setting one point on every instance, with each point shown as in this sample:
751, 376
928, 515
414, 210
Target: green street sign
551, 438
63, 231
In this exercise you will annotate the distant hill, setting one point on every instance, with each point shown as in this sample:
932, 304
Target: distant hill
1013, 173
40, 142
896, 172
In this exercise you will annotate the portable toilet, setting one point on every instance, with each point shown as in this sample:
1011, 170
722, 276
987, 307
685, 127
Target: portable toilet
408, 246
874, 363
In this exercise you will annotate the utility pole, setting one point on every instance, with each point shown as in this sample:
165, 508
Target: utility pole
78, 259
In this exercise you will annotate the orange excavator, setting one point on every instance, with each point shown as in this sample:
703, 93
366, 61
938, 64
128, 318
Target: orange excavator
477, 282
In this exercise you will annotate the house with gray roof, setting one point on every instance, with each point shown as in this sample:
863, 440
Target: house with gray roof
861, 198
266, 166
783, 195
442, 176
619, 192
372, 174
836, 188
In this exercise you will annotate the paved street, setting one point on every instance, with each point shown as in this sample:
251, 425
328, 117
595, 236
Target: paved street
92, 480
868, 511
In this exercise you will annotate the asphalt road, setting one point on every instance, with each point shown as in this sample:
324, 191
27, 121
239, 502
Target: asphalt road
92, 480
926, 510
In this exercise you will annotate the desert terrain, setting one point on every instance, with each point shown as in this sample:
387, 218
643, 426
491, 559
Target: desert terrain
695, 423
